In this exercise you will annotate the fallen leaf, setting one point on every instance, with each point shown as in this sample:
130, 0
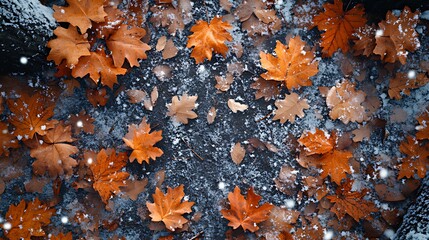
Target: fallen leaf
402, 84
170, 50
180, 110
98, 96
160, 45
265, 89
336, 165
82, 122
211, 115
226, 5
162, 72
365, 42
62, 236
286, 180
422, 128
236, 106
7, 139
416, 160
169, 207
133, 188
224, 83
317, 142
389, 194
289, 108
362, 133
237, 153
167, 16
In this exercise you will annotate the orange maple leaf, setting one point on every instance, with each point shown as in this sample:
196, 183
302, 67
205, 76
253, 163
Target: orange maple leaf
53, 152
69, 45
208, 38
7, 140
246, 212
62, 236
317, 142
398, 36
142, 141
27, 220
96, 65
365, 42
169, 207
30, 115
113, 20
289, 108
416, 160
125, 43
338, 25
351, 203
336, 165
402, 84
107, 174
181, 109
294, 64
80, 13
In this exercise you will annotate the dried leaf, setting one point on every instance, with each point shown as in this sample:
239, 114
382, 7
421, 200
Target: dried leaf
237, 153
162, 72
236, 106
226, 5
294, 64
82, 122
365, 42
318, 142
113, 20
132, 189
211, 115
402, 84
224, 83
170, 50
265, 89
7, 139
246, 212
154, 95
62, 236
389, 194
142, 141
289, 108
208, 38
169, 207
167, 16
336, 165
422, 128
136, 96
160, 45
286, 180
97, 97
416, 160
180, 110
362, 133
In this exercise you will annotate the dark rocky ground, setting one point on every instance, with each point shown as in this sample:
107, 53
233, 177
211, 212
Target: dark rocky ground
201, 178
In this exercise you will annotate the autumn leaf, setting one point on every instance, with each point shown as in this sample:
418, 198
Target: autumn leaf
351, 203
365, 40
169, 207
82, 122
7, 139
133, 188
289, 108
237, 153
258, 17
53, 152
62, 236
208, 38
294, 64
97, 96
422, 128
27, 220
336, 165
167, 16
113, 20
346, 103
126, 44
403, 83
265, 89
224, 83
69, 46
416, 160
317, 142
397, 36
80, 13
180, 110
338, 25
236, 106
107, 174
246, 212
30, 115
142, 141
97, 65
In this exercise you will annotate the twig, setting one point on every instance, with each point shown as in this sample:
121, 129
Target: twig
264, 117
189, 146
197, 236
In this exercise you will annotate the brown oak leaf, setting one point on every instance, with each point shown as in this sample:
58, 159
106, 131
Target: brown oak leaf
113, 20
338, 25
53, 152
27, 220
317, 142
294, 64
416, 160
80, 13
246, 212
169, 207
402, 84
126, 44
180, 110
208, 38
107, 174
351, 203
142, 141
289, 108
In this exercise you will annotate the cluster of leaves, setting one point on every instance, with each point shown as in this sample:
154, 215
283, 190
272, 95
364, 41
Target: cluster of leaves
97, 38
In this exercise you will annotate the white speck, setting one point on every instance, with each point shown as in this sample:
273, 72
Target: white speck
7, 226
79, 124
43, 127
62, 11
19, 137
379, 33
221, 185
411, 74
4, 131
384, 173
23, 60
176, 141
389, 233
328, 234
186, 198
64, 219
290, 203
89, 161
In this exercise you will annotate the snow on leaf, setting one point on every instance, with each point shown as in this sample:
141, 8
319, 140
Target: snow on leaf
402, 84
27, 220
365, 42
345, 103
236, 106
246, 212
113, 20
100, 67
237, 153
258, 17
422, 128
416, 160
289, 108
126, 44
180, 110
351, 203
208, 38
53, 155
69, 46
336, 165
80, 13
169, 207
107, 174
211, 115
82, 122
318, 142
338, 25
224, 83
294, 64
142, 141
